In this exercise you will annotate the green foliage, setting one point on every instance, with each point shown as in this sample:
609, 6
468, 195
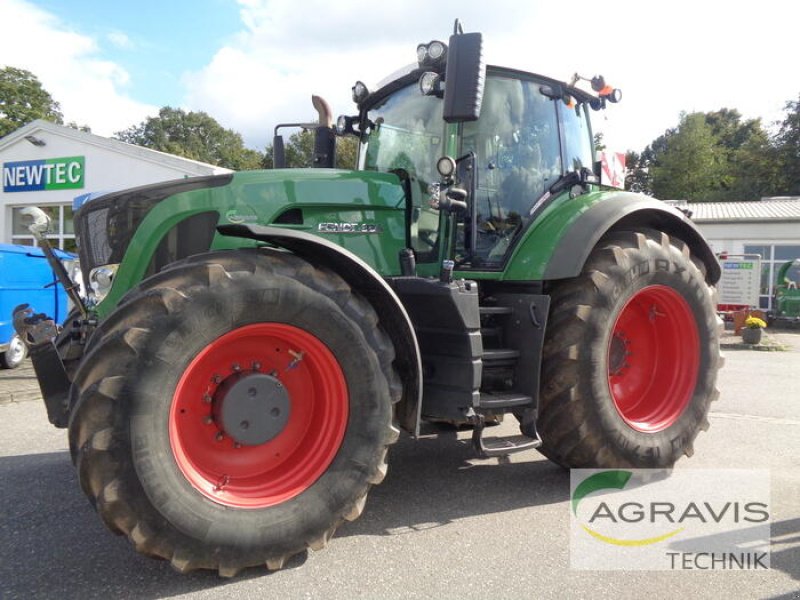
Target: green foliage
299, 151
637, 175
788, 149
709, 156
691, 166
347, 152
194, 135
23, 99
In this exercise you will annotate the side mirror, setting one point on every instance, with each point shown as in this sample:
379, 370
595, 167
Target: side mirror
324, 147
278, 152
465, 77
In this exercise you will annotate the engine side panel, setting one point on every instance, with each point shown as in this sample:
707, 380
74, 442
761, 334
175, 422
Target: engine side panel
363, 212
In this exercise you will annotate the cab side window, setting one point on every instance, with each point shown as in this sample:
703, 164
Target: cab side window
578, 144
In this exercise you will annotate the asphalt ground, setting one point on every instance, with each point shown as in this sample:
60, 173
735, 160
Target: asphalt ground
442, 525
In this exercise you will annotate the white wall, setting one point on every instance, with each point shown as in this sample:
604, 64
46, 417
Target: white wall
105, 169
732, 237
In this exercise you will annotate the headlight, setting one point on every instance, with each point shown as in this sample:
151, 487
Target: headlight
422, 53
430, 84
101, 279
360, 92
432, 54
436, 50
73, 269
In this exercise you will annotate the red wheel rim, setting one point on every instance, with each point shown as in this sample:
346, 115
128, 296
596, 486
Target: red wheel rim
257, 476
654, 357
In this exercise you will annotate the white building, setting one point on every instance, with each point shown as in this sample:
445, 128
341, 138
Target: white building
769, 227
47, 165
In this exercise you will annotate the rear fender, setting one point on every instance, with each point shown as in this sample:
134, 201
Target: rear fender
360, 276
558, 244
624, 211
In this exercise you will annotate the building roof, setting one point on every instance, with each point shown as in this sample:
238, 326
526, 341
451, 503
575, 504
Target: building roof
779, 209
138, 152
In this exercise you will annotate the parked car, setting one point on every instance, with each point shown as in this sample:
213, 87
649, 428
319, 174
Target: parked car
26, 278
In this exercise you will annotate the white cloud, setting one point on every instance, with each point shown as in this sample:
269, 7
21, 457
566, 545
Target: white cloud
120, 39
666, 56
89, 89
283, 55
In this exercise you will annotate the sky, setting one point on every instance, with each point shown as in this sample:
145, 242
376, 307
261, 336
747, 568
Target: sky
251, 64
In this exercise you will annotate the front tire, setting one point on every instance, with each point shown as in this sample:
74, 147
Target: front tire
630, 358
15, 354
168, 427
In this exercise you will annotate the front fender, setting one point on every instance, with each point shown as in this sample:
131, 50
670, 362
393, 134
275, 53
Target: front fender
360, 276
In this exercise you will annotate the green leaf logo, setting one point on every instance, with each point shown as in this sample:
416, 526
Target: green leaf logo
611, 480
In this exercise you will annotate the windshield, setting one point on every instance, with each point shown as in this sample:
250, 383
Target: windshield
406, 132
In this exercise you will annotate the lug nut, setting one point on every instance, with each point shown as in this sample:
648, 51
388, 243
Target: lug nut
208, 420
207, 398
220, 436
236, 367
256, 366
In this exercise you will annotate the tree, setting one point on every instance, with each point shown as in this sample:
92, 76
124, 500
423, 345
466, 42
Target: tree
23, 99
691, 165
787, 150
194, 135
299, 150
755, 169
708, 156
637, 175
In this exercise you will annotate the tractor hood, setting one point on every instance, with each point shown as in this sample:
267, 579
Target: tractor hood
134, 233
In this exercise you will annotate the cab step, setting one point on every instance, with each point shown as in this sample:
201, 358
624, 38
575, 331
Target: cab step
495, 310
498, 446
500, 357
498, 401
503, 446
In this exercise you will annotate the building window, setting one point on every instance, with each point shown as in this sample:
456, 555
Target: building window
772, 257
61, 233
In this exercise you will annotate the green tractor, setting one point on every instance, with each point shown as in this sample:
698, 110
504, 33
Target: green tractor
786, 301
255, 342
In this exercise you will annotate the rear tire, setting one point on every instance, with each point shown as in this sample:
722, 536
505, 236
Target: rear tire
15, 355
630, 357
154, 451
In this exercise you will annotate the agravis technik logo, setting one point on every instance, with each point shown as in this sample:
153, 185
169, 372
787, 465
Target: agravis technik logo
658, 519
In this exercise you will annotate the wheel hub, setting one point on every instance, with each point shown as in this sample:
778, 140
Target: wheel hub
251, 408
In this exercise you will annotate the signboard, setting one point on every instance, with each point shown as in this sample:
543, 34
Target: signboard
741, 279
45, 174
612, 169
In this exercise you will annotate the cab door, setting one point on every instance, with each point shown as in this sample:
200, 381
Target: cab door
517, 145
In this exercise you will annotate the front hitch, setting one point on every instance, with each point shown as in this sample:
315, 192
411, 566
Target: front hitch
38, 331
38, 229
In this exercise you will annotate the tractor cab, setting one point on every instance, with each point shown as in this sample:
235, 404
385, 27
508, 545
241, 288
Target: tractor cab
481, 150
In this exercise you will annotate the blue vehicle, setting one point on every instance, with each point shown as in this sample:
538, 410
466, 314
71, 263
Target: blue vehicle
26, 278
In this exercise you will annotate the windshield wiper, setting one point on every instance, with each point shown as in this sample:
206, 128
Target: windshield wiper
583, 177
